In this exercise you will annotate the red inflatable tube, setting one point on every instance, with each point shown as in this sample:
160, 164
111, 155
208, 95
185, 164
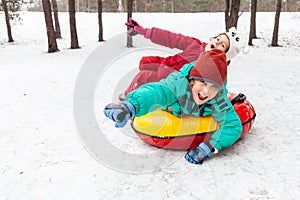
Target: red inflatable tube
244, 109
241, 105
176, 143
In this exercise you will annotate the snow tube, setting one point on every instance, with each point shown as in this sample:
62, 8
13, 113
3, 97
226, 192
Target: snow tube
162, 129
244, 109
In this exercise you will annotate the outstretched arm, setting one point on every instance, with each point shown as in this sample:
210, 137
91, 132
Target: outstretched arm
160, 36
151, 96
172, 40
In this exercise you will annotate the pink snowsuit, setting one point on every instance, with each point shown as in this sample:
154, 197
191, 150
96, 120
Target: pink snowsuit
155, 68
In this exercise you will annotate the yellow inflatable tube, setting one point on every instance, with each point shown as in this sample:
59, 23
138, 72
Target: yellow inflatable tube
161, 128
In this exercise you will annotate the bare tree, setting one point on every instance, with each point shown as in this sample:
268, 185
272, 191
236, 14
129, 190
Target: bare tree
252, 34
125, 4
135, 6
52, 45
73, 30
145, 5
173, 5
218, 5
87, 9
56, 21
129, 15
100, 37
4, 5
232, 13
276, 25
163, 5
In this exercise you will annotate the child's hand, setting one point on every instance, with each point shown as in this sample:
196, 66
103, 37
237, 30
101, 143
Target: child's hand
135, 29
197, 155
119, 112
131, 23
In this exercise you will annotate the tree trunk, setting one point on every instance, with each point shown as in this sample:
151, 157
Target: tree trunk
227, 6
124, 5
286, 6
129, 15
145, 5
87, 6
218, 5
135, 6
234, 13
52, 45
100, 37
276, 25
231, 19
173, 5
163, 5
73, 30
252, 34
56, 21
9, 34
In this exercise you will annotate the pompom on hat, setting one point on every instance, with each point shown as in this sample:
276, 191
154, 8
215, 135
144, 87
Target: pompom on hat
211, 66
236, 44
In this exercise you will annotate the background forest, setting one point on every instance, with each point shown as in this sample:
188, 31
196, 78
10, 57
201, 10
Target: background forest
160, 5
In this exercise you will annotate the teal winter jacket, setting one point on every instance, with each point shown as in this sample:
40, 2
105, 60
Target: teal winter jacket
175, 92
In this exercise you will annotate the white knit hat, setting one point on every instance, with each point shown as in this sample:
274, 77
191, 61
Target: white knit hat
236, 44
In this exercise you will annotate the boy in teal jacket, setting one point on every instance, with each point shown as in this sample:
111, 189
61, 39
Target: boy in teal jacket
198, 89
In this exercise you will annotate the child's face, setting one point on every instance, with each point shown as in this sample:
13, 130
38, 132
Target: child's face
220, 42
203, 91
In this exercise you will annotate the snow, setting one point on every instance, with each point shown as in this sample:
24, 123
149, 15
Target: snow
43, 152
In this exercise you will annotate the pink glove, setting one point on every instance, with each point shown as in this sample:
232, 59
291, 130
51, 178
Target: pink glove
135, 29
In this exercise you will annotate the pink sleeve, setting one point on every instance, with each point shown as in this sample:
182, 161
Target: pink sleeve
172, 40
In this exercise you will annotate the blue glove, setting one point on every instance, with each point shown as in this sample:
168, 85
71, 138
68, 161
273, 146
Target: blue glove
197, 155
119, 112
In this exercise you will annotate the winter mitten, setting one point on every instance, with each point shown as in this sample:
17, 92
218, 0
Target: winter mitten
131, 23
119, 112
197, 155
135, 29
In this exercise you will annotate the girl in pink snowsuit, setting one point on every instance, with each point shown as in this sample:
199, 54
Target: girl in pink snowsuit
155, 68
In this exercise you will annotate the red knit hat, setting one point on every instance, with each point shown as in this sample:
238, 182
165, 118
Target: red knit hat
211, 66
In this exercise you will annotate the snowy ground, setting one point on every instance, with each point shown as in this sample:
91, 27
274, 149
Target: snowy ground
41, 153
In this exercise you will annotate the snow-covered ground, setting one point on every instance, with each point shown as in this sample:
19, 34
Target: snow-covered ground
42, 155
